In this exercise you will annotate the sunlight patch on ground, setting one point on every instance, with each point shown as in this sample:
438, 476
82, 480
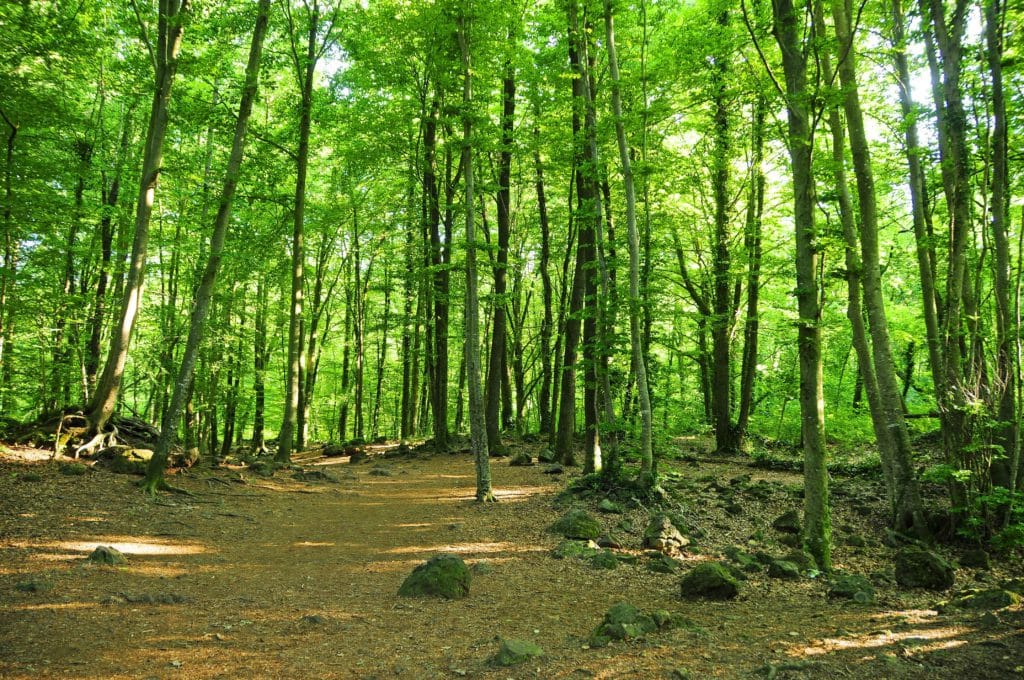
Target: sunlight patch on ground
414, 525
929, 640
313, 544
464, 548
63, 606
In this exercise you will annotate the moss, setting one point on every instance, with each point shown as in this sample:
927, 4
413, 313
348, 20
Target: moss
513, 652
920, 568
711, 581
444, 576
577, 524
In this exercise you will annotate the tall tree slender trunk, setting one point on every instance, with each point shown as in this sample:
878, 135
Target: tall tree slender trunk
260, 358
204, 294
10, 253
382, 355
752, 244
497, 357
788, 28
305, 66
639, 361
170, 28
547, 322
477, 425
907, 511
438, 365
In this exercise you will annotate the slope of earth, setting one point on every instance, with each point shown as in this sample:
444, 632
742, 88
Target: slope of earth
279, 577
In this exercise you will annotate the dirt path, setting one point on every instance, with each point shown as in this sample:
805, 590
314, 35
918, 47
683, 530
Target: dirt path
283, 578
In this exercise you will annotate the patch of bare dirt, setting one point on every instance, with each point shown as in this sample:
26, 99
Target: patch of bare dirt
279, 577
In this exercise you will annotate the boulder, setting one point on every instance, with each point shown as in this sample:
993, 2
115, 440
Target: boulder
625, 622
444, 576
917, 567
577, 524
604, 559
125, 460
852, 587
570, 548
609, 506
663, 535
976, 558
709, 581
512, 652
107, 555
784, 569
546, 456
986, 600
787, 523
663, 564
521, 459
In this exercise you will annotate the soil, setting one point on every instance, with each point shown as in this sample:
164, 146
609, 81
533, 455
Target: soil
282, 577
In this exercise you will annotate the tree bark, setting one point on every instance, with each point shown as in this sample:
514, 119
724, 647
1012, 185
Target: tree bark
171, 24
204, 294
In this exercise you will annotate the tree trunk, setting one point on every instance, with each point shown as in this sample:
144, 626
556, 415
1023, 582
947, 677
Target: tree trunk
170, 28
788, 29
477, 425
197, 325
639, 361
547, 323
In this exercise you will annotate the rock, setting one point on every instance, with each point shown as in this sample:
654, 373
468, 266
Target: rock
483, 567
609, 541
745, 561
356, 455
920, 568
521, 459
577, 524
381, 472
125, 460
32, 476
609, 506
663, 564
976, 558
444, 576
852, 587
791, 540
733, 508
74, 469
108, 555
313, 619
546, 456
33, 586
554, 470
855, 541
986, 600
801, 559
574, 549
185, 459
787, 523
711, 581
314, 476
623, 622
661, 534
605, 559
512, 652
781, 568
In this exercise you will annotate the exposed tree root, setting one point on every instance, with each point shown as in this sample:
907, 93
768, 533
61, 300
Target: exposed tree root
150, 487
486, 498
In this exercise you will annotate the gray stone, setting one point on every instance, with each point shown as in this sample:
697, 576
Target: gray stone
577, 524
663, 535
917, 567
710, 581
444, 576
512, 652
986, 600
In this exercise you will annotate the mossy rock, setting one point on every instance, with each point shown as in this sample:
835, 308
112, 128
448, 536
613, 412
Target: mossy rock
610, 507
787, 523
512, 652
570, 548
547, 456
976, 558
444, 576
802, 559
989, 599
605, 559
663, 564
745, 561
521, 459
107, 555
917, 567
32, 476
623, 621
74, 469
852, 587
709, 581
125, 460
577, 524
784, 569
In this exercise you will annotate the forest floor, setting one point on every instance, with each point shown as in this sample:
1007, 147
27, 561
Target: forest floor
279, 577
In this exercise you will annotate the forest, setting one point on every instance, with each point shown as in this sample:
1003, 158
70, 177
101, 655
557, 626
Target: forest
626, 237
